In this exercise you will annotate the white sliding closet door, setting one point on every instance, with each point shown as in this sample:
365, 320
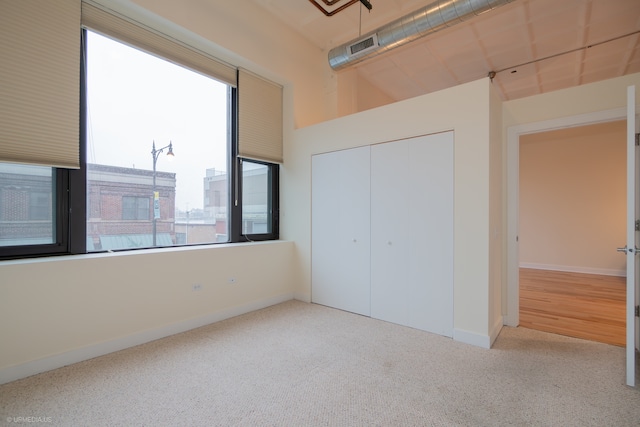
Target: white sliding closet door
412, 232
340, 260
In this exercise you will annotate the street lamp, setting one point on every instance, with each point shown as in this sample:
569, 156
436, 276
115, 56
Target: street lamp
156, 196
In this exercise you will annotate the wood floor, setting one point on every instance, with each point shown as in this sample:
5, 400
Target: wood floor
584, 306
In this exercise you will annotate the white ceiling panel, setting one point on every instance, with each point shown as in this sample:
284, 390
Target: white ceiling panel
549, 46
559, 67
549, 36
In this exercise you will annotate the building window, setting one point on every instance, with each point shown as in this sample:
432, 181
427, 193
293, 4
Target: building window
135, 208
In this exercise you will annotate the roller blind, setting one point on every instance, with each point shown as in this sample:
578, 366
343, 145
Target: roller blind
137, 35
259, 118
40, 82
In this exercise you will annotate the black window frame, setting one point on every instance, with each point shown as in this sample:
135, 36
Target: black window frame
60, 180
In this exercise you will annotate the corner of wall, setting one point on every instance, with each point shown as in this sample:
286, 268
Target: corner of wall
478, 340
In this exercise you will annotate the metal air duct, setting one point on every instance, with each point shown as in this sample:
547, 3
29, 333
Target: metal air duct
427, 20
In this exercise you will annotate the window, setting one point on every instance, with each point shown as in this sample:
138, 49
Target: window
257, 200
135, 208
159, 160
34, 221
26, 209
160, 130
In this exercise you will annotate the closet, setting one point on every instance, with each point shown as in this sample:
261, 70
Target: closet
382, 231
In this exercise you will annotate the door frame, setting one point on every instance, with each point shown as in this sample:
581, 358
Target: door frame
512, 315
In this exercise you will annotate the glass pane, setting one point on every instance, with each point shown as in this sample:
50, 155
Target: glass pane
255, 198
27, 202
156, 146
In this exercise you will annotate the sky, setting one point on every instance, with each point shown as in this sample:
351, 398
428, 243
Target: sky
135, 99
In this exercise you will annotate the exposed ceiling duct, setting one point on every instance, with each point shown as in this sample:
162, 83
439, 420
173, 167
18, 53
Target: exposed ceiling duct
427, 20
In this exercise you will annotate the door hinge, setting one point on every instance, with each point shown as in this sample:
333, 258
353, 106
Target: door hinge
637, 310
637, 139
637, 224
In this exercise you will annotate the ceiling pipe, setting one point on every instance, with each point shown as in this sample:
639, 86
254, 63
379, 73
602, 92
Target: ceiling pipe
427, 20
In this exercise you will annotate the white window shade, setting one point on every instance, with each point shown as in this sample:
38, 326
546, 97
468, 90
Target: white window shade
139, 36
259, 118
40, 82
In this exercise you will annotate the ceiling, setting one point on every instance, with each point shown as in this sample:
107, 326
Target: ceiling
534, 46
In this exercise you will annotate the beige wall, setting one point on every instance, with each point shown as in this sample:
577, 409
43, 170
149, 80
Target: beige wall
463, 109
356, 94
496, 198
585, 99
573, 199
53, 306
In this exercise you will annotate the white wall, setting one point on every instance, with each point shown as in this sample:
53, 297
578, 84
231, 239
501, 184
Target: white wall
465, 109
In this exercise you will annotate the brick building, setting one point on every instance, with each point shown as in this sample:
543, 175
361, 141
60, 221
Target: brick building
120, 208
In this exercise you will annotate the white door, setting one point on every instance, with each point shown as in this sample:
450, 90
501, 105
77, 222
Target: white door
390, 277
340, 232
412, 232
633, 214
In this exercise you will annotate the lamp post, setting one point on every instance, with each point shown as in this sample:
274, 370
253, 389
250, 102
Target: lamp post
156, 197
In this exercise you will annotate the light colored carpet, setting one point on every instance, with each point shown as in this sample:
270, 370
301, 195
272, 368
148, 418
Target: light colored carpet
298, 364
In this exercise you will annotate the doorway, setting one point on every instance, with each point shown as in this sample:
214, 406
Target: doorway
514, 135
572, 200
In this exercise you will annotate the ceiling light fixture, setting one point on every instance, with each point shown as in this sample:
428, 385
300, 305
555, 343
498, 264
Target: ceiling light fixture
331, 3
366, 4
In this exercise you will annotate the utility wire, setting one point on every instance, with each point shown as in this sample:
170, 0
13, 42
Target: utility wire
566, 52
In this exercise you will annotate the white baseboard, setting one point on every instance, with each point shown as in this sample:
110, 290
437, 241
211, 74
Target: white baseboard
574, 269
472, 338
34, 367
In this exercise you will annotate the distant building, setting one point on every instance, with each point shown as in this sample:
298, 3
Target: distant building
25, 205
255, 201
120, 208
254, 204
216, 200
